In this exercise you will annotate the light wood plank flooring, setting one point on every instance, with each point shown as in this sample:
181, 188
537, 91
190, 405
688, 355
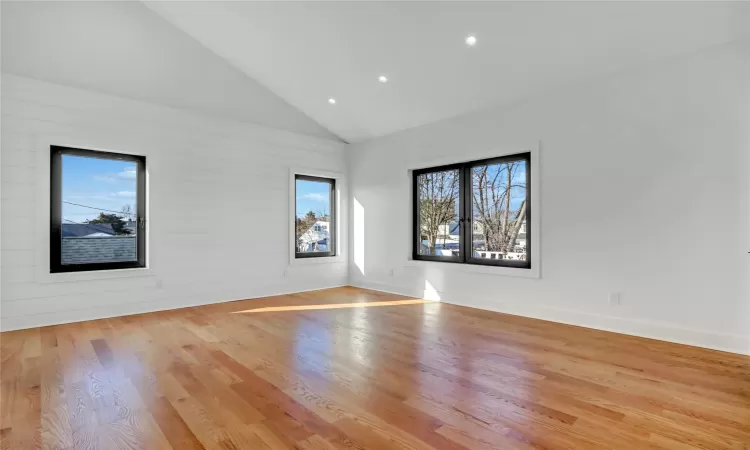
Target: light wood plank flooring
357, 369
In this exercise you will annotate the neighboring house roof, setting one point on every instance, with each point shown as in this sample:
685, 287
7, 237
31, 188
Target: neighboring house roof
87, 229
316, 236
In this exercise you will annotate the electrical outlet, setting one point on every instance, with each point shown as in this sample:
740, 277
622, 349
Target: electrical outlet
614, 299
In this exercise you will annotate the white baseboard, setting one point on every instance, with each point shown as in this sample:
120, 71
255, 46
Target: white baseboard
387, 288
648, 329
127, 309
733, 343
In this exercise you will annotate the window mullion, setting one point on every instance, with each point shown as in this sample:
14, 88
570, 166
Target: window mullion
461, 230
465, 212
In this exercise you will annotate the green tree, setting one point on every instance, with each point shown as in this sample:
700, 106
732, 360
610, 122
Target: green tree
118, 223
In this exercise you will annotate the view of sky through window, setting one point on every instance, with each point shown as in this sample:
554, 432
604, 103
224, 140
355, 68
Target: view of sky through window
98, 211
98, 185
313, 196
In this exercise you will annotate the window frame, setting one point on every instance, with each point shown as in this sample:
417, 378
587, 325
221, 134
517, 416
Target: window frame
333, 218
55, 244
416, 235
465, 254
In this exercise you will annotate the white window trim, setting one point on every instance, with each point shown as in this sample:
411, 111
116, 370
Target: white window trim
42, 145
340, 187
536, 223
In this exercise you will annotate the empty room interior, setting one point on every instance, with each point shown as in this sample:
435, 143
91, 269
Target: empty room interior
420, 225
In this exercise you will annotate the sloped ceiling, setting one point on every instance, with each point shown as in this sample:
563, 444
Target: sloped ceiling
307, 52
125, 49
277, 63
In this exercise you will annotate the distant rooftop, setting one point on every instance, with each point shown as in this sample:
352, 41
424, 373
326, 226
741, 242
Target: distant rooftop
85, 229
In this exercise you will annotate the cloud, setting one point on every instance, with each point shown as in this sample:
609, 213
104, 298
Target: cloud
112, 178
104, 179
128, 174
314, 197
123, 194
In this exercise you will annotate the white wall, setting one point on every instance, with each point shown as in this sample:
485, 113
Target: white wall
222, 184
125, 49
644, 191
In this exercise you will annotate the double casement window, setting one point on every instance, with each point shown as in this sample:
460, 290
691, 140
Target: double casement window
314, 216
477, 212
97, 210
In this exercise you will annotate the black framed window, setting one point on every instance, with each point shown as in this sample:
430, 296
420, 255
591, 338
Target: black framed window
315, 216
97, 210
477, 212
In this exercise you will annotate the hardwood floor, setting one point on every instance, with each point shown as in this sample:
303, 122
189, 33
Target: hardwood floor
350, 368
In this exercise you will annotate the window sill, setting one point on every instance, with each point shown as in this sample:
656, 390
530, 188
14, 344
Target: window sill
533, 272
62, 277
320, 260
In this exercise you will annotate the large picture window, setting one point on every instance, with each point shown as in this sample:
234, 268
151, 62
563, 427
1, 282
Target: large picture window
478, 212
97, 210
315, 216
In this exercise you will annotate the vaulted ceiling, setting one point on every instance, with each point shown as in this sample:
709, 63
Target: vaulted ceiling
278, 63
125, 49
307, 52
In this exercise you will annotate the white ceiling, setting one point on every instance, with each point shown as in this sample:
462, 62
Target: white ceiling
307, 52
277, 63
125, 49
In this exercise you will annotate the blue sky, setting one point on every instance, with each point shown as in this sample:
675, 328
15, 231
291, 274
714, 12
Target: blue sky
517, 194
97, 183
110, 184
312, 196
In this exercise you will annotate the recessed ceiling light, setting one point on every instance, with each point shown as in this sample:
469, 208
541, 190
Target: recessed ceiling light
383, 79
332, 101
471, 40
